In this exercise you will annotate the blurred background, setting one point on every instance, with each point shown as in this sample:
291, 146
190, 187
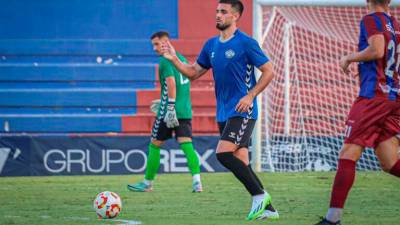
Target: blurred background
77, 79
76, 73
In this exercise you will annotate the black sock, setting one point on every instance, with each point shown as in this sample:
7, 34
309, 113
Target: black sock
241, 172
269, 206
255, 177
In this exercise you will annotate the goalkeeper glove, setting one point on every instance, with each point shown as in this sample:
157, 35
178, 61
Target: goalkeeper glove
170, 116
155, 106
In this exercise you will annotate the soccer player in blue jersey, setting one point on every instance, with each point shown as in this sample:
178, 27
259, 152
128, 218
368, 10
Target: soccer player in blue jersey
233, 55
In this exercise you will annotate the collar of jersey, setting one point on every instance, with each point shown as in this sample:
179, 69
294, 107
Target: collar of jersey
384, 13
230, 38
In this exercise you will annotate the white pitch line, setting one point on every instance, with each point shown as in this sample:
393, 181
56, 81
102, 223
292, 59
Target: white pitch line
77, 218
11, 216
128, 222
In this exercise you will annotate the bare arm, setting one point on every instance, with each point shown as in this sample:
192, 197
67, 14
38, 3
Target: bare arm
171, 87
266, 77
192, 72
375, 50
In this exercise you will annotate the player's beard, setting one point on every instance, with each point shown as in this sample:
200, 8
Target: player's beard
222, 27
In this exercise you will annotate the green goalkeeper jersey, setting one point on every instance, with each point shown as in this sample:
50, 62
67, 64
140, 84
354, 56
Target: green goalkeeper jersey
183, 105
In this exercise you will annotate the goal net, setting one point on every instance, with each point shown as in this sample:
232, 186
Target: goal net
305, 107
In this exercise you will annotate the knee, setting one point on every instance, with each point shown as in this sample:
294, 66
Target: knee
243, 156
351, 152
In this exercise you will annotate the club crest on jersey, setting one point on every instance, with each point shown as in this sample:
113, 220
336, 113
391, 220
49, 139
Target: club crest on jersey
229, 54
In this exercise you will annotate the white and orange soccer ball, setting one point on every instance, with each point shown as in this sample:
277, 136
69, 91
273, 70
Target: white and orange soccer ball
107, 205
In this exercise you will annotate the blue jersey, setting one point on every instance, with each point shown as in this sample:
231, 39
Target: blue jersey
233, 64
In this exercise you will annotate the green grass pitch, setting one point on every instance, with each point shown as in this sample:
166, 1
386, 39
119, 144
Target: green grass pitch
300, 198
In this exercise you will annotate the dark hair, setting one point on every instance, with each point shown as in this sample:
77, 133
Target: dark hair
159, 34
379, 2
236, 4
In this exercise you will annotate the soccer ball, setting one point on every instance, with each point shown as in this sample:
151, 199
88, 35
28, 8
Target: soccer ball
107, 205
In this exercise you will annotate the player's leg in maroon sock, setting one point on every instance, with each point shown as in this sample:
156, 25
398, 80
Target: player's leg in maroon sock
343, 182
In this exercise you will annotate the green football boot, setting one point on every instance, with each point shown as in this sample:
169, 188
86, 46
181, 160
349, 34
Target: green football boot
140, 187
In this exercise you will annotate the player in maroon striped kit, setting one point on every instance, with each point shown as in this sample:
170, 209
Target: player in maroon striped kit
374, 119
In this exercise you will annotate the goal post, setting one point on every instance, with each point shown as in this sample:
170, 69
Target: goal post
302, 112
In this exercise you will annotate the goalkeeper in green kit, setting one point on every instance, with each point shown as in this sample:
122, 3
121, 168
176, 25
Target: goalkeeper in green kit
174, 114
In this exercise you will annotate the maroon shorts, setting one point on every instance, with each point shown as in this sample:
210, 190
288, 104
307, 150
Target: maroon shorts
372, 121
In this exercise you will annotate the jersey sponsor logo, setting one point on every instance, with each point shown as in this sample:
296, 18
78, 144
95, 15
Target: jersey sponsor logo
212, 54
390, 28
229, 54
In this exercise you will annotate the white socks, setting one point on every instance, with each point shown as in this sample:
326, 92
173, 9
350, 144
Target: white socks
334, 214
148, 182
196, 178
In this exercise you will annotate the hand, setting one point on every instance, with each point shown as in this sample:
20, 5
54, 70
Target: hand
170, 116
344, 63
245, 103
155, 106
167, 50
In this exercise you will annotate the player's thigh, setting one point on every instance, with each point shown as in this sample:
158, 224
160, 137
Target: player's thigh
364, 123
236, 134
226, 146
223, 145
183, 132
156, 142
351, 151
388, 153
184, 139
391, 124
160, 132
